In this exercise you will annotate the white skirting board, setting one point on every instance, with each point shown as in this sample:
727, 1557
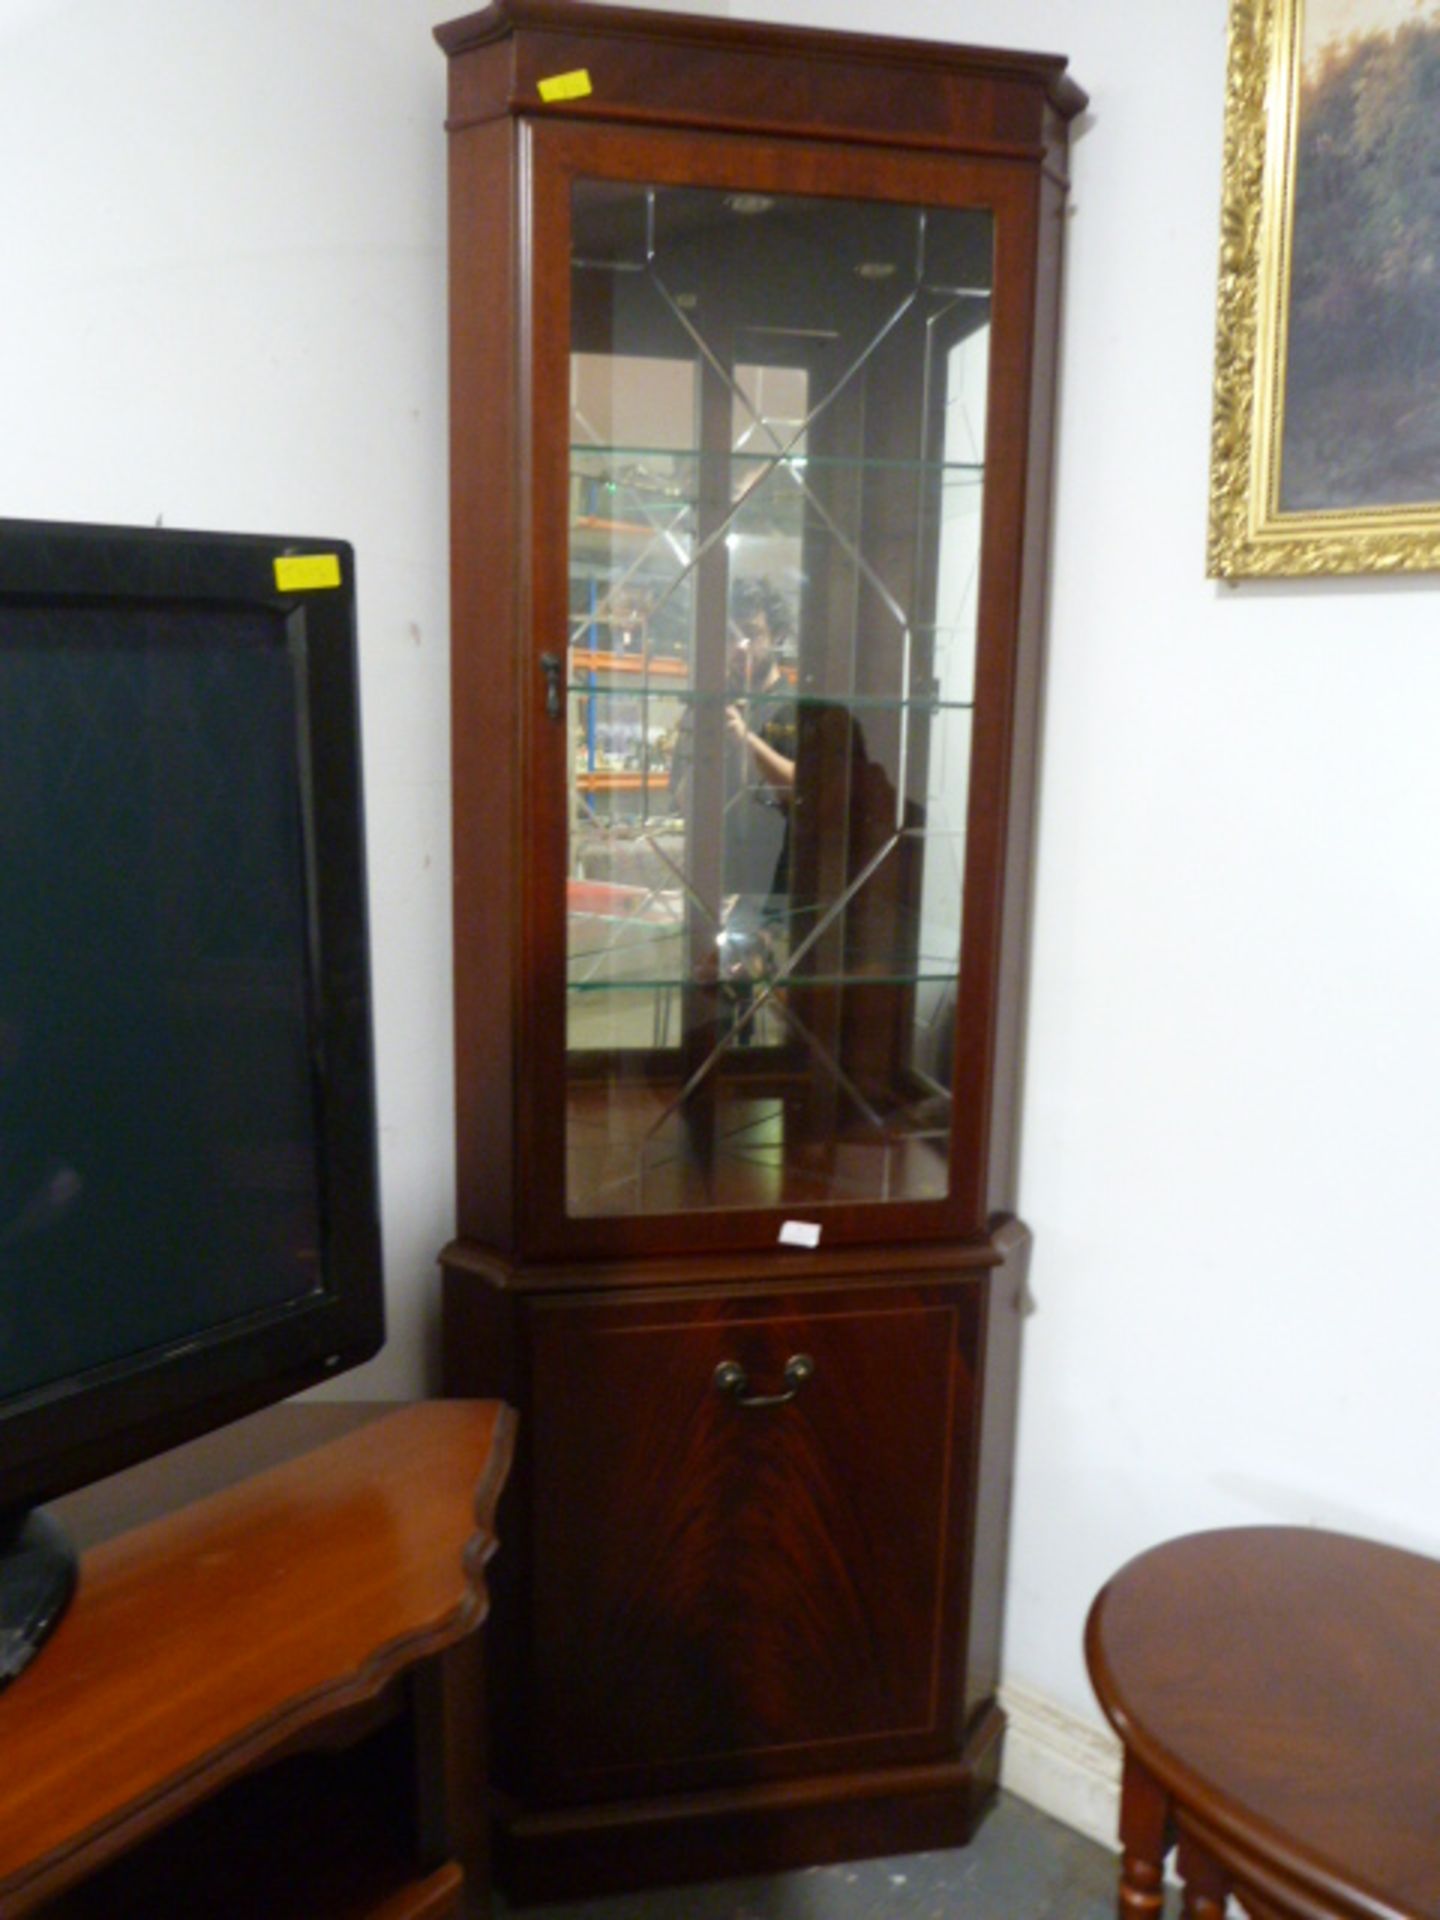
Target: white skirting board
1066, 1766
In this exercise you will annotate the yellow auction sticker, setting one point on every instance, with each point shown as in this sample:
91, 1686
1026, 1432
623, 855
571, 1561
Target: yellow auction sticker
566, 86
305, 572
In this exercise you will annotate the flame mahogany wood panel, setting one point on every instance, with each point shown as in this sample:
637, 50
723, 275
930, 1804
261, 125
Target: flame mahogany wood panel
691, 1512
728, 1638
265, 1695
731, 1639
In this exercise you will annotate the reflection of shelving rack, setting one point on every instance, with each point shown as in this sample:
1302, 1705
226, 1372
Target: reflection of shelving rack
633, 680
662, 666
635, 521
619, 531
608, 782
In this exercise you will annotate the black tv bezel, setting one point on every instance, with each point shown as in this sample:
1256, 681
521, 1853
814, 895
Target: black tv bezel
81, 1429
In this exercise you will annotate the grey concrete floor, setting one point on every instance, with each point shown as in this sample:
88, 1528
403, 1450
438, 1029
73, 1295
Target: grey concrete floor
1020, 1866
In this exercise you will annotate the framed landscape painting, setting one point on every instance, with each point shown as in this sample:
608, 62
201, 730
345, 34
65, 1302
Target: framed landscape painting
1325, 451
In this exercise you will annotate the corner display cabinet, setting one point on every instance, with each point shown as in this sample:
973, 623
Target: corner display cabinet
752, 354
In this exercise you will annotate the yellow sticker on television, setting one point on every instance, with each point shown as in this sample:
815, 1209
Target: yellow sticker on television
566, 86
306, 572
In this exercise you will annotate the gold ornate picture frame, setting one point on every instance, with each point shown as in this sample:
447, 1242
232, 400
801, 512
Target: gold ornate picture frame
1325, 447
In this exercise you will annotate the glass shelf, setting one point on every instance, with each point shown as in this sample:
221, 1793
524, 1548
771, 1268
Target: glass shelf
761, 702
777, 457
742, 496
674, 983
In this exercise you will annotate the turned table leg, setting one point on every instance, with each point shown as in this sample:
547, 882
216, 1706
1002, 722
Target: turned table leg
1207, 1888
1144, 1841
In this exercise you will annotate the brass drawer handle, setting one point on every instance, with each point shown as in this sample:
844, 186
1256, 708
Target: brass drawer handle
732, 1379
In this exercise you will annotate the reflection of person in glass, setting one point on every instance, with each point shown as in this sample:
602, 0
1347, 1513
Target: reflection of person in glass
759, 773
765, 729
760, 729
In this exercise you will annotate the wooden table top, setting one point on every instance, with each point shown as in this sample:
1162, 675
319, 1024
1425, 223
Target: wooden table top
296, 1563
1284, 1684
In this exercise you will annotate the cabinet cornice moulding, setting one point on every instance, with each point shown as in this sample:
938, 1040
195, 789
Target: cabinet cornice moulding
571, 17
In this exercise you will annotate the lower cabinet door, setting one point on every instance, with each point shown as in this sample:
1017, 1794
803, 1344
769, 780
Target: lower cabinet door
750, 1527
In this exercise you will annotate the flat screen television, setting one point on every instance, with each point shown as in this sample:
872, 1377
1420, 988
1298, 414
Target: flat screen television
189, 1218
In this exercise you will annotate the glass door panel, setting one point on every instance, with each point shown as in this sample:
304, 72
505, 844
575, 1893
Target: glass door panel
777, 431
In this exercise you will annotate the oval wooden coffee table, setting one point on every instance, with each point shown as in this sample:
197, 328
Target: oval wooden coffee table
1277, 1691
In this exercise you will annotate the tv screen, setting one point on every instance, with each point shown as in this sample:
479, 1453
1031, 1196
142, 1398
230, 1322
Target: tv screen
188, 1197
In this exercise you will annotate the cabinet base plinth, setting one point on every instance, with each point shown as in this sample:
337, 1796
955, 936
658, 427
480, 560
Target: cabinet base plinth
581, 1852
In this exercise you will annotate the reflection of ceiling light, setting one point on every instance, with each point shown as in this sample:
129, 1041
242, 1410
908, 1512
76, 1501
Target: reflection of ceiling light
875, 269
749, 202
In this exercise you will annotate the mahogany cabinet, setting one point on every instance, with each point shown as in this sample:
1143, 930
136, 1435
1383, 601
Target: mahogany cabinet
752, 354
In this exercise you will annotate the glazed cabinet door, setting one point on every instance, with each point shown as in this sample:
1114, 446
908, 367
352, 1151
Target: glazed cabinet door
749, 1520
778, 407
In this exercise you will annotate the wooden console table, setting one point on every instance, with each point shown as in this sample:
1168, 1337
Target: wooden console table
266, 1696
1277, 1691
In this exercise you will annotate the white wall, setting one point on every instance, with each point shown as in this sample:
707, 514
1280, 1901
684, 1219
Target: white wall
221, 247
222, 304
1233, 1097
